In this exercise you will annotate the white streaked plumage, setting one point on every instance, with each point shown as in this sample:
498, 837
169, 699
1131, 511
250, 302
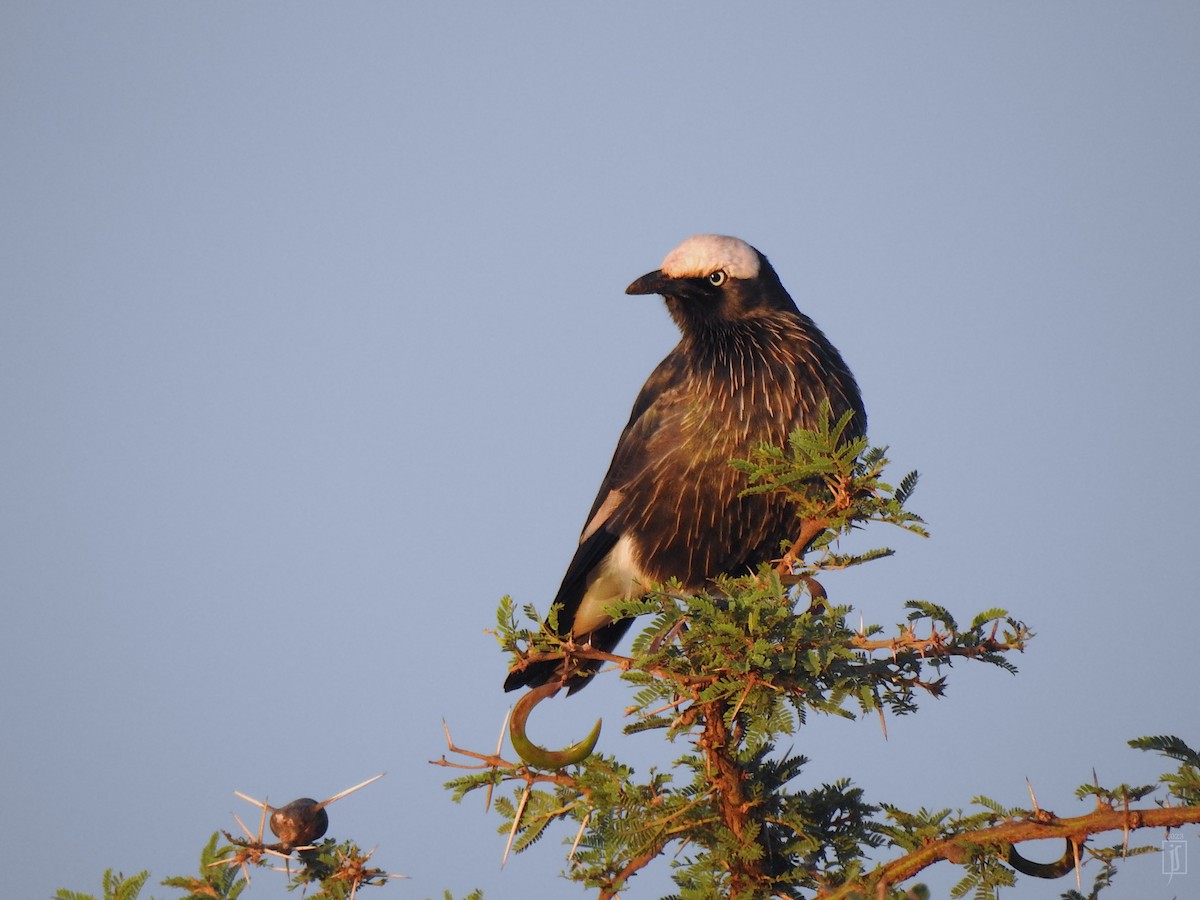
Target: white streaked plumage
702, 254
749, 368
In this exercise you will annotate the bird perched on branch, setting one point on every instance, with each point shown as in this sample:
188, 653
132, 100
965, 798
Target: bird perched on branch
750, 367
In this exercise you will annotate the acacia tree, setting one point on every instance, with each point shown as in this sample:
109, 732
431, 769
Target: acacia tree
729, 673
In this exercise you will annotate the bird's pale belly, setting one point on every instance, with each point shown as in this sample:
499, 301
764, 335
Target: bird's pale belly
619, 577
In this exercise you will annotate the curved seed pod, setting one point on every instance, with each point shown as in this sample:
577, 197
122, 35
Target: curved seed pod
1056, 869
299, 823
540, 757
302, 821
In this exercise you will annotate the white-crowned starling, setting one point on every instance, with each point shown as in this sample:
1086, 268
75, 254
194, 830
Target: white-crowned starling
750, 368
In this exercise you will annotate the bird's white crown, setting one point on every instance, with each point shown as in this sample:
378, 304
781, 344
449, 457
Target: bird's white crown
702, 254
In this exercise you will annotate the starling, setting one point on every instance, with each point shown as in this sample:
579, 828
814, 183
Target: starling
750, 368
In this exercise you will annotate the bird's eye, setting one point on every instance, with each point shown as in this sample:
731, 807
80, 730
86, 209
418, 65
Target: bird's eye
718, 278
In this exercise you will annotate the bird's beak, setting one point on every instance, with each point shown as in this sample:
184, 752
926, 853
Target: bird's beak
653, 283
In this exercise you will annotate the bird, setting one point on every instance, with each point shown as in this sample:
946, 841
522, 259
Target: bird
749, 368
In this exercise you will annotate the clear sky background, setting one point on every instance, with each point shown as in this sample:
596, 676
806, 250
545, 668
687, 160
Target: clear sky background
313, 344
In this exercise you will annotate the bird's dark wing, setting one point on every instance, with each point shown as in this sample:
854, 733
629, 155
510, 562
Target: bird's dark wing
600, 535
648, 414
652, 411
590, 554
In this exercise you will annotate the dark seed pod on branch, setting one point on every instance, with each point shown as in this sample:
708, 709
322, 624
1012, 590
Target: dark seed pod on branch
300, 823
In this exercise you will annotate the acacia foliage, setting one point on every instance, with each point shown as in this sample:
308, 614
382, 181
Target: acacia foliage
731, 675
330, 870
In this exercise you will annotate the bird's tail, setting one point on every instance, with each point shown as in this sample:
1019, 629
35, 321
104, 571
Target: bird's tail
574, 674
537, 673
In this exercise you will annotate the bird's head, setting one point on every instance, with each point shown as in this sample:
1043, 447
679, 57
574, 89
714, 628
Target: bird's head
712, 279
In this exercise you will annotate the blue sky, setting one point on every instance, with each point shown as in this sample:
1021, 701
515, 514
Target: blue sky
313, 344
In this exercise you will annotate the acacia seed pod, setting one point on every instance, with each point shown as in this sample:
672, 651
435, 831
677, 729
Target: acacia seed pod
299, 823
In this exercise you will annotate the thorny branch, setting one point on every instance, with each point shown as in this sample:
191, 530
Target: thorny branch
958, 847
510, 770
937, 645
725, 704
